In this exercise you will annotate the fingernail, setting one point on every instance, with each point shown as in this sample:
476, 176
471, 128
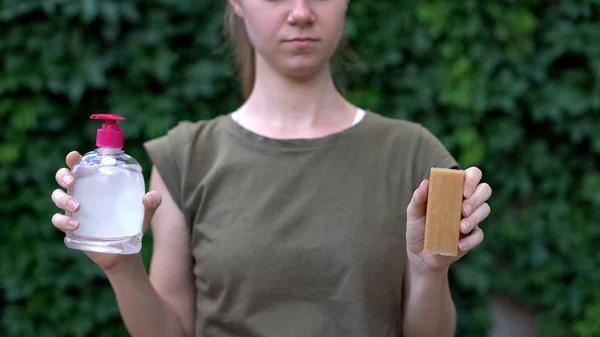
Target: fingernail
72, 204
468, 209
462, 245
463, 226
151, 200
73, 223
67, 179
423, 182
468, 193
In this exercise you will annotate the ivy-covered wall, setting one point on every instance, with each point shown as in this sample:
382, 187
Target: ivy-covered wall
510, 86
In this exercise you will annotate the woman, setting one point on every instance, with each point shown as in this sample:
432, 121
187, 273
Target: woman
299, 214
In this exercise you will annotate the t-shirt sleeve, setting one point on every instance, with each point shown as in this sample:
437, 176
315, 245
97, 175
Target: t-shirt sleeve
168, 155
432, 153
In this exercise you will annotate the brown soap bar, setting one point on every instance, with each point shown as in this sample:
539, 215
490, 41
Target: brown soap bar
444, 211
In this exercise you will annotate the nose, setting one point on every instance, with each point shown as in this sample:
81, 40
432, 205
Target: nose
301, 13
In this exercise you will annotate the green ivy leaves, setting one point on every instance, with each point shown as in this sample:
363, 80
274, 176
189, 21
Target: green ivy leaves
511, 87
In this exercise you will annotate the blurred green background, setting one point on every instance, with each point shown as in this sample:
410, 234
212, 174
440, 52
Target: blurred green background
510, 86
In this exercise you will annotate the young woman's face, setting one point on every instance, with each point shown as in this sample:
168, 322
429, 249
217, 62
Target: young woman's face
295, 37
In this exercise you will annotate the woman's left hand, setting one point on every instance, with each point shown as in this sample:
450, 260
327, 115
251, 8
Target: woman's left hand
474, 210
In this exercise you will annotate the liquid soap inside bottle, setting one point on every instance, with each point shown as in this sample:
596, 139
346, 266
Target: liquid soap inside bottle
109, 186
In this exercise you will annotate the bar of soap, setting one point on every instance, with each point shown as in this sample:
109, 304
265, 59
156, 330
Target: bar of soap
444, 211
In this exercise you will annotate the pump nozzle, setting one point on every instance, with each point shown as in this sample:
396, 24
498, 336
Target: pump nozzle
110, 135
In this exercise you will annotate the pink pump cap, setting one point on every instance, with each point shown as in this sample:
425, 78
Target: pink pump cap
110, 135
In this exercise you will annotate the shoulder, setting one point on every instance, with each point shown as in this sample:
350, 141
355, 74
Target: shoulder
186, 133
173, 152
412, 142
189, 130
399, 130
176, 144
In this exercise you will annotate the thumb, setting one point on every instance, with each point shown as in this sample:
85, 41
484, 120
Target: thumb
152, 201
73, 158
418, 204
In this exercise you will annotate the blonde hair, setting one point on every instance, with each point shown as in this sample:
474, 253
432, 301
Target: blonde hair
245, 55
242, 49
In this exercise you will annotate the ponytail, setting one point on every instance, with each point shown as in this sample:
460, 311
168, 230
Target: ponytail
243, 50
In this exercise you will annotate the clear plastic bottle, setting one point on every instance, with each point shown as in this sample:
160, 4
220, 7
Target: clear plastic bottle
109, 186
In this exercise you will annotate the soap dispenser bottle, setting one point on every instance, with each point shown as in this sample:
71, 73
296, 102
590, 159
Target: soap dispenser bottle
109, 186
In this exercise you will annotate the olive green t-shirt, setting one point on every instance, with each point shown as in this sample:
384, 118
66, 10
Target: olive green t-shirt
302, 237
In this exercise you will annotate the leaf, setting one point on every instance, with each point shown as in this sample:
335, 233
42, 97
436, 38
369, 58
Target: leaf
596, 138
109, 11
473, 148
9, 153
508, 86
591, 186
76, 88
89, 9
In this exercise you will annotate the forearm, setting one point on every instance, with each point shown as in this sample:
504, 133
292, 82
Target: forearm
143, 311
429, 309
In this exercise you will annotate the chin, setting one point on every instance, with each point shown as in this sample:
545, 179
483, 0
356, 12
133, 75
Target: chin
302, 68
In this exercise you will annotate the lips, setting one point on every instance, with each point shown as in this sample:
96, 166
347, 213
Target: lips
302, 42
302, 39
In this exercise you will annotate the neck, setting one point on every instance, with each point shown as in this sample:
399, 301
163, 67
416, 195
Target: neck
285, 103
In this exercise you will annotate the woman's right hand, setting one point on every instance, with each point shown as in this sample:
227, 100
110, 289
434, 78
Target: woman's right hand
67, 203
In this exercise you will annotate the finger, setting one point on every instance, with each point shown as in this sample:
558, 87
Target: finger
482, 193
64, 201
64, 178
73, 158
467, 224
471, 241
473, 176
64, 223
152, 201
418, 203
